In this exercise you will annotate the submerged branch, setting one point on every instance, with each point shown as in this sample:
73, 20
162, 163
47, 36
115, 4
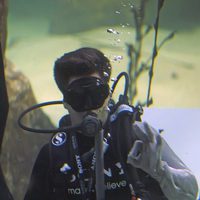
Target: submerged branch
155, 50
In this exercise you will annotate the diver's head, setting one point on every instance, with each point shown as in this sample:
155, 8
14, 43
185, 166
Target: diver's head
81, 62
82, 76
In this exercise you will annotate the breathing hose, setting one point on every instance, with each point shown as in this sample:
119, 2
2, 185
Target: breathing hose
62, 129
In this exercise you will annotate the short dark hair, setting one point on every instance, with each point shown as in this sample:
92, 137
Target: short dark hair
83, 61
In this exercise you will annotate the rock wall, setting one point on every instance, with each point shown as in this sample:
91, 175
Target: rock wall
20, 148
3, 23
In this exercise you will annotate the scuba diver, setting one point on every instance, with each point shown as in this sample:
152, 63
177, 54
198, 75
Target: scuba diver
138, 163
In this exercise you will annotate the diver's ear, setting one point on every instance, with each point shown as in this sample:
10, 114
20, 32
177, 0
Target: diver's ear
66, 105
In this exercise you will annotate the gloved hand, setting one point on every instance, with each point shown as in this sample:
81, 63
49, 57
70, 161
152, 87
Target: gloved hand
146, 154
146, 151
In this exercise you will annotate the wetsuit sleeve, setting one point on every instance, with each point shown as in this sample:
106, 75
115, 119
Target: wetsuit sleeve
38, 188
152, 154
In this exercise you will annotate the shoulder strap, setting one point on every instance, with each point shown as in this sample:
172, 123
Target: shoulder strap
121, 119
57, 154
58, 145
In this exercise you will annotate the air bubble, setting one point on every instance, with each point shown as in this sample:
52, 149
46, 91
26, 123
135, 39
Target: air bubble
110, 30
113, 79
118, 40
105, 74
118, 58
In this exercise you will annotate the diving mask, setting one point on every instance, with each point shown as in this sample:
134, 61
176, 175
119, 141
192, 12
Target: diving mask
88, 93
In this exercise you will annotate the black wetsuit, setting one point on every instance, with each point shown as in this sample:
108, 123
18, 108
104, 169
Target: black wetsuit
49, 183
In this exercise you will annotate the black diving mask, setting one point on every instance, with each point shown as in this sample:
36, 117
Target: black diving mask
86, 94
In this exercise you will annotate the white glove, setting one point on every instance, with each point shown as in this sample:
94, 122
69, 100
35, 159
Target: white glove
146, 154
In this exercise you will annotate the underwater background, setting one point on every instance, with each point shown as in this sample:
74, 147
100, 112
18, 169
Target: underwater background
40, 31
